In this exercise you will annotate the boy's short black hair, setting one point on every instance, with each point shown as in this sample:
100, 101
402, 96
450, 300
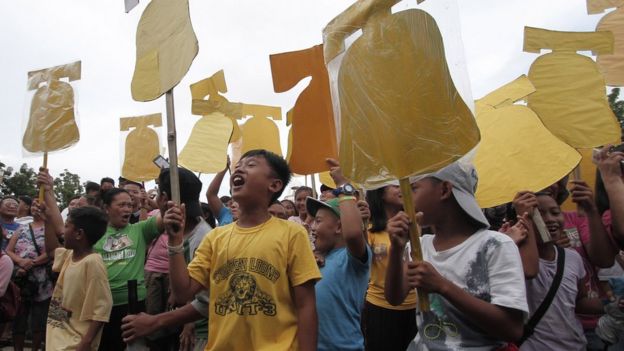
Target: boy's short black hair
91, 220
109, 196
278, 165
225, 199
26, 199
92, 186
107, 180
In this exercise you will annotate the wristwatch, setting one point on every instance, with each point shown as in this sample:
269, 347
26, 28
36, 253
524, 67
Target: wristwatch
346, 189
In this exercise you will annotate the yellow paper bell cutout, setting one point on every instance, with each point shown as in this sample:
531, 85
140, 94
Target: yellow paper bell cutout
212, 88
327, 180
570, 94
516, 152
313, 130
141, 147
400, 112
52, 123
289, 117
611, 65
259, 132
165, 48
206, 149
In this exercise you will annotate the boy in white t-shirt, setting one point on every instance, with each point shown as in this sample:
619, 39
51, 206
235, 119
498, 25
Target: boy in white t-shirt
473, 275
82, 301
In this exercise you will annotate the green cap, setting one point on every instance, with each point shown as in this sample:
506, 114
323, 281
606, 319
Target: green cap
313, 205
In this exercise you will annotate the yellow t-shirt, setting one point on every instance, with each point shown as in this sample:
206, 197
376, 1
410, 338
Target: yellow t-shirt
250, 273
380, 246
81, 295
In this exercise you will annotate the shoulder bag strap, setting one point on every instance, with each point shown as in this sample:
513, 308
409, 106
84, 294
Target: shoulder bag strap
32, 236
529, 328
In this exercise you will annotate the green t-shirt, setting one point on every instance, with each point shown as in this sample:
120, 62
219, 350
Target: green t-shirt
123, 252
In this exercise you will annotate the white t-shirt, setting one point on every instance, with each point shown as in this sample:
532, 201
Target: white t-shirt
487, 265
559, 328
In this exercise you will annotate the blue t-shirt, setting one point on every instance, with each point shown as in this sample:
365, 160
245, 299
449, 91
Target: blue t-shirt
8, 229
224, 217
340, 297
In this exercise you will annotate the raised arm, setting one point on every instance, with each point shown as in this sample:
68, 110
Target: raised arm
212, 194
183, 287
610, 166
524, 203
307, 319
350, 217
50, 213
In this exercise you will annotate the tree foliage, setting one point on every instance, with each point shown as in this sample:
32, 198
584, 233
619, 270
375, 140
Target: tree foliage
617, 106
66, 186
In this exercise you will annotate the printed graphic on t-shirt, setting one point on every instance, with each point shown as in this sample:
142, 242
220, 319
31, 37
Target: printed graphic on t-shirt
380, 252
57, 315
573, 235
244, 296
118, 247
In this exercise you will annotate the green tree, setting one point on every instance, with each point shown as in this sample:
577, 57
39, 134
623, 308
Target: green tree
617, 106
66, 186
22, 182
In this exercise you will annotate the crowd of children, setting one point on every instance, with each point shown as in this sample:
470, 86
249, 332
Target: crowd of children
252, 272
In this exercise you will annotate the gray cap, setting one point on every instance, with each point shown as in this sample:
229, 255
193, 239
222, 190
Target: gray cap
464, 178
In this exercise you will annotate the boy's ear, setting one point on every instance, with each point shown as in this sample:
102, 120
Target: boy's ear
276, 185
446, 190
80, 233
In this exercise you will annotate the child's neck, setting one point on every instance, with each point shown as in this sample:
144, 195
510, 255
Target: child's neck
303, 216
253, 215
546, 251
81, 252
451, 231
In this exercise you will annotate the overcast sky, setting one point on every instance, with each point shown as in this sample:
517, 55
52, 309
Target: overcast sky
235, 35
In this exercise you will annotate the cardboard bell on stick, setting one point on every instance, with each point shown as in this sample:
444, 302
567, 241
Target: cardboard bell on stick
514, 138
611, 64
570, 94
313, 130
165, 48
398, 112
206, 149
52, 120
141, 146
260, 132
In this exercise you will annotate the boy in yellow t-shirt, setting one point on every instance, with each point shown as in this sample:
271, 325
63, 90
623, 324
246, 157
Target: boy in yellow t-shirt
260, 270
81, 301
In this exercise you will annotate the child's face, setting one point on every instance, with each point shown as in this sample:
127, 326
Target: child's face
392, 196
552, 215
426, 196
290, 208
253, 179
300, 201
326, 229
70, 235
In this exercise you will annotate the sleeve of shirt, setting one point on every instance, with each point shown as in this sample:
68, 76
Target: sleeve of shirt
200, 303
302, 266
225, 216
60, 254
149, 228
507, 287
199, 268
98, 299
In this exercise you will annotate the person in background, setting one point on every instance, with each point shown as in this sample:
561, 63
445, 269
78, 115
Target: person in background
226, 201
23, 210
92, 188
326, 193
139, 201
301, 194
28, 252
378, 313
106, 184
277, 210
291, 210
208, 216
74, 202
222, 213
337, 226
8, 212
123, 249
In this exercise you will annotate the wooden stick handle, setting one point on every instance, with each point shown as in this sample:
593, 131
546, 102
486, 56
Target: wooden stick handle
414, 232
41, 189
173, 149
541, 226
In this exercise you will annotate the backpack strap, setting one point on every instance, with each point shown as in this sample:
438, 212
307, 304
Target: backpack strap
529, 328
